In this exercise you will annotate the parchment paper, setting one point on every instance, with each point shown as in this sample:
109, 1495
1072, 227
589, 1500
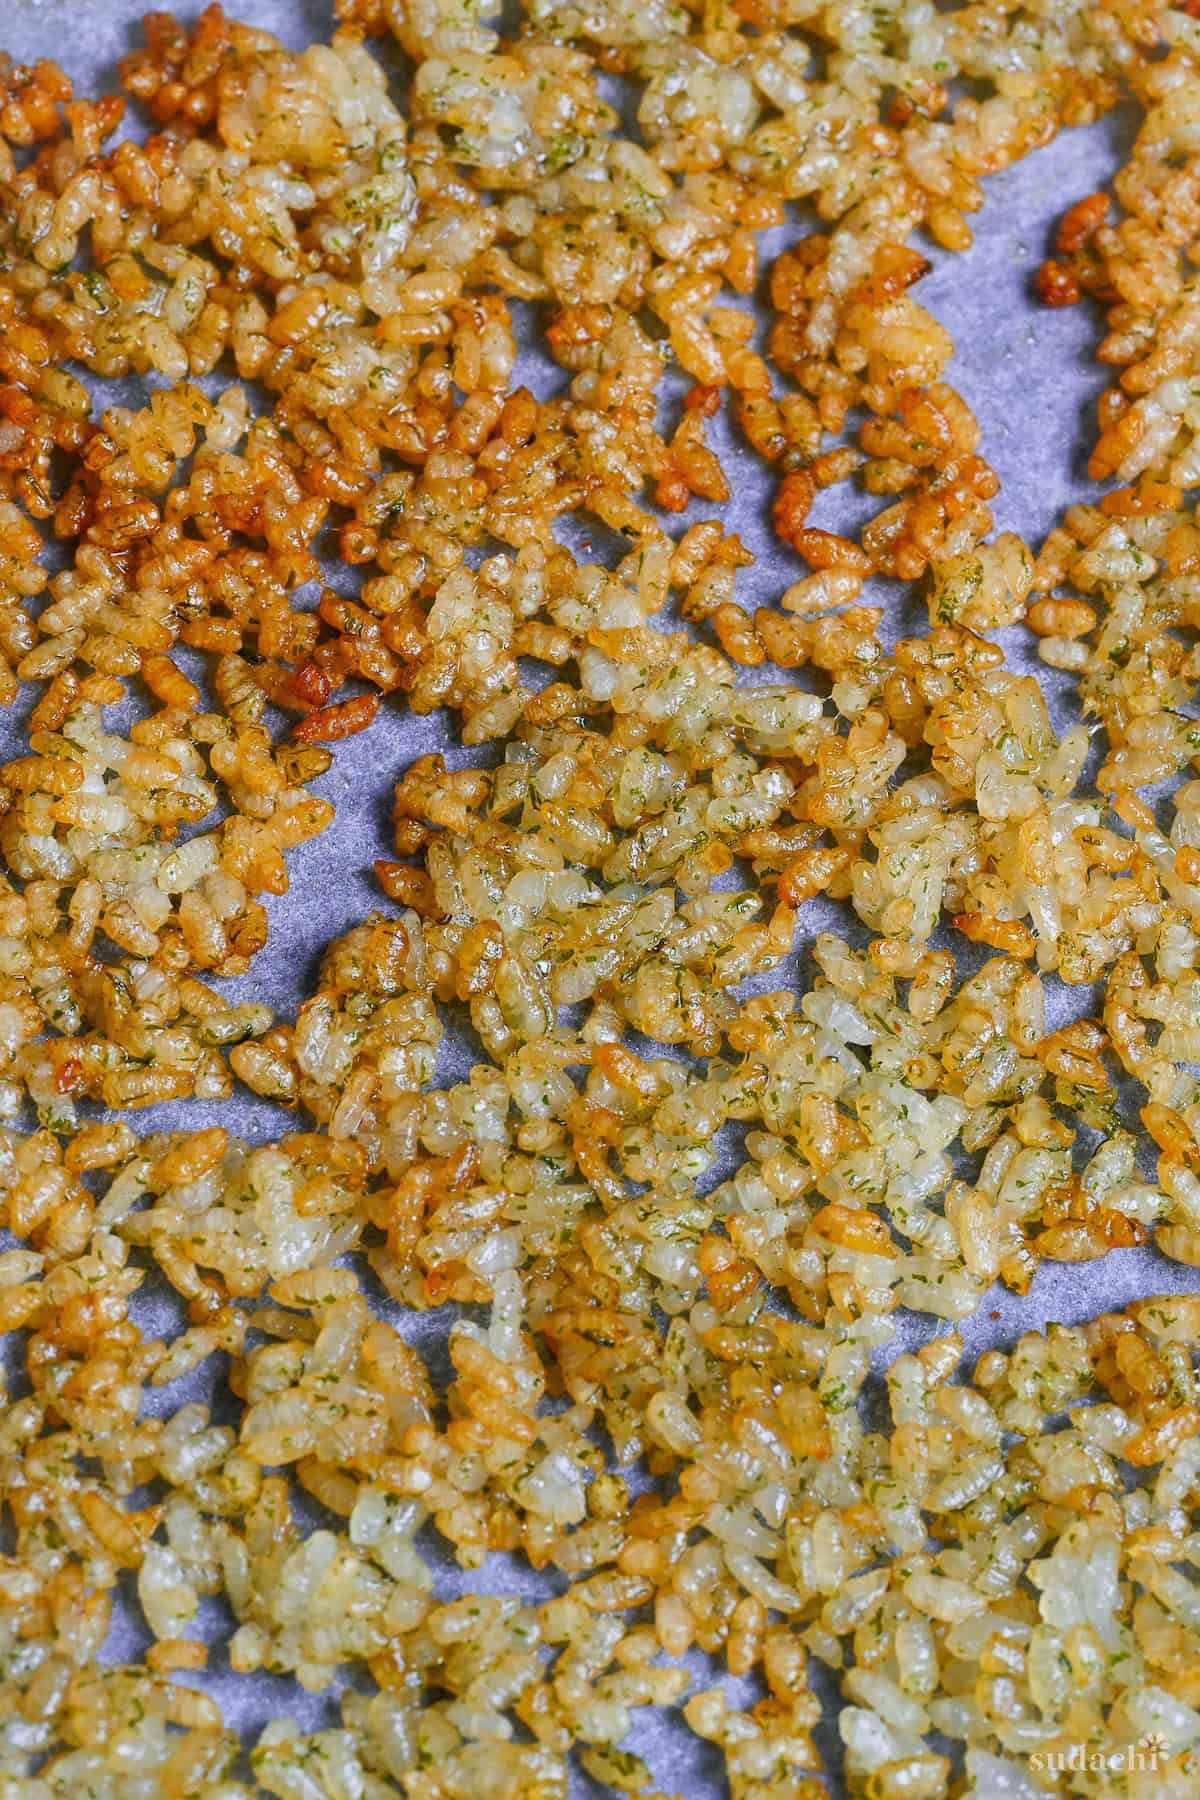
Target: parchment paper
1029, 374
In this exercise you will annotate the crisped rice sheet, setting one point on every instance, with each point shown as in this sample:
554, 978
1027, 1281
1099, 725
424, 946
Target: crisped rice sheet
599, 949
